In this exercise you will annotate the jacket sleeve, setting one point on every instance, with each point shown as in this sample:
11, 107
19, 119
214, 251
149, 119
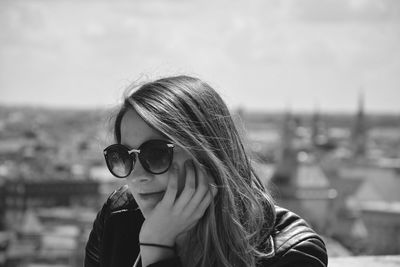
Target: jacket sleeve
92, 253
295, 243
310, 252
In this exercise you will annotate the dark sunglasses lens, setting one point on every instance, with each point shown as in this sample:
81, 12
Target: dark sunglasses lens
119, 162
156, 156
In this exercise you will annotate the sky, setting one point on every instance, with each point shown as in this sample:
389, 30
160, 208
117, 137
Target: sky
259, 55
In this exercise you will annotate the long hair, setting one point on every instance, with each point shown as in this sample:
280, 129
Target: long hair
193, 115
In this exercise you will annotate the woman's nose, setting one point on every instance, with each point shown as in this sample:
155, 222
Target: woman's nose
139, 174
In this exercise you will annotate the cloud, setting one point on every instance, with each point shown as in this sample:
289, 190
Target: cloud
256, 52
346, 10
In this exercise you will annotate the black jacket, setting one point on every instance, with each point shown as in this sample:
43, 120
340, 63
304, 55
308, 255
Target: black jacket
113, 240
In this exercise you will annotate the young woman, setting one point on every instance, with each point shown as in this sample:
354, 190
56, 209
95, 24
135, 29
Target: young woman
192, 197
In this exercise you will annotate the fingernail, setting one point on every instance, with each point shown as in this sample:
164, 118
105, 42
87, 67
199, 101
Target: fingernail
213, 188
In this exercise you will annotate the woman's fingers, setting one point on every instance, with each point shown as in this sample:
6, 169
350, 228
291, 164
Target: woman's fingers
202, 197
205, 203
193, 200
201, 190
172, 187
190, 186
214, 189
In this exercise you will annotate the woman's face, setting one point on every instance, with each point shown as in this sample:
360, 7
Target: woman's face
147, 188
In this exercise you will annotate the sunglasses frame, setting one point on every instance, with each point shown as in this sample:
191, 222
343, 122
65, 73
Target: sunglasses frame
134, 159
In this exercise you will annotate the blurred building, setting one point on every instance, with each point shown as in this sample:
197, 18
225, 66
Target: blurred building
299, 183
50, 237
382, 221
19, 196
361, 189
332, 180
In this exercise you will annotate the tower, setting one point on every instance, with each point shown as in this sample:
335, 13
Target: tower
359, 133
287, 161
315, 127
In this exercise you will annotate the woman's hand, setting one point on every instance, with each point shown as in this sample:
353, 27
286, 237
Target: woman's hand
174, 215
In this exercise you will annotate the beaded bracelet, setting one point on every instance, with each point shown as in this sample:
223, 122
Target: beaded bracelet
157, 245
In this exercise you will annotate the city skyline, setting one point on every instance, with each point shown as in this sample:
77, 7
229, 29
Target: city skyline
276, 55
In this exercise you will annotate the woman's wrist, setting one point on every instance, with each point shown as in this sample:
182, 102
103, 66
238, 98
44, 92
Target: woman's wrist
157, 239
151, 253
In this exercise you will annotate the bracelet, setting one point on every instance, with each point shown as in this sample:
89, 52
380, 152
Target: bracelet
157, 245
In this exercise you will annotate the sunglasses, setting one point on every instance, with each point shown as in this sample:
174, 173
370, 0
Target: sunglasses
154, 155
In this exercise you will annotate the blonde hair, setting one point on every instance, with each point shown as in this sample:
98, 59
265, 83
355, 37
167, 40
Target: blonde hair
193, 115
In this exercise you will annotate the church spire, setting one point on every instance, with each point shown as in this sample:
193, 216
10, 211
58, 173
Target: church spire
359, 134
287, 160
315, 125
